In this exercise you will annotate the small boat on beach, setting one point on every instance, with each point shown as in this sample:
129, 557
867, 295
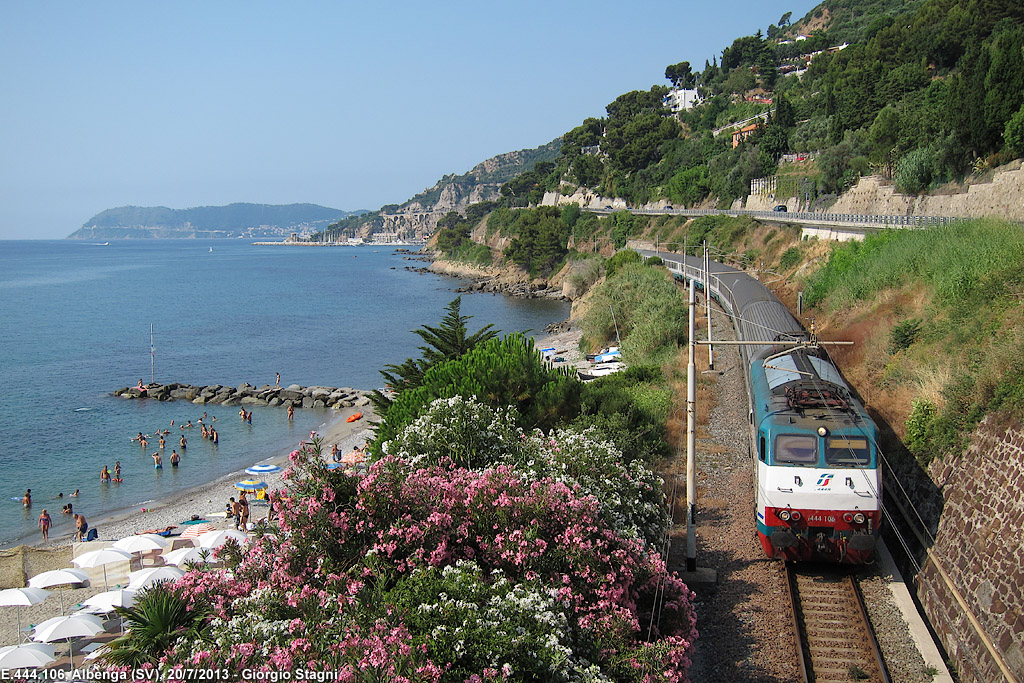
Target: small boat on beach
353, 418
600, 370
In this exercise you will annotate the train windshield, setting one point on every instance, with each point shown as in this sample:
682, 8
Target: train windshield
795, 449
840, 451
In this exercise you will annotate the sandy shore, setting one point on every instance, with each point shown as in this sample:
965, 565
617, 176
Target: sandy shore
208, 502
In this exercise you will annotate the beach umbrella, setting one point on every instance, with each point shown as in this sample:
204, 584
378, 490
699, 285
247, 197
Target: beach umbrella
183, 556
146, 577
197, 530
140, 544
262, 469
26, 656
101, 558
108, 600
59, 578
22, 596
215, 539
251, 485
66, 628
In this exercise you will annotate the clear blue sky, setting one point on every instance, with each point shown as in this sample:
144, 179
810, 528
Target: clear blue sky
348, 105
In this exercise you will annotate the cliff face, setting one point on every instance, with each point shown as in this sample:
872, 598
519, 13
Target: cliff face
417, 218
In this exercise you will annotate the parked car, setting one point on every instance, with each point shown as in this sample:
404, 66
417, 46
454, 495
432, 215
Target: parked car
668, 208
781, 207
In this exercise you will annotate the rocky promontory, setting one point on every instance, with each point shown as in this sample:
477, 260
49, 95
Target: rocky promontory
246, 394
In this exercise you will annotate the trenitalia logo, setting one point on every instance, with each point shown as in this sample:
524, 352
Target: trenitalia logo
824, 479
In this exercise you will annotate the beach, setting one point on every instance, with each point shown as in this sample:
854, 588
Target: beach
207, 502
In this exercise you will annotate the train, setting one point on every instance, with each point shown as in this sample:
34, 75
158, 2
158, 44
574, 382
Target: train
814, 448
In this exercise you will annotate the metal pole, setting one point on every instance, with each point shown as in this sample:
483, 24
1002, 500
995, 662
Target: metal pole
707, 302
691, 442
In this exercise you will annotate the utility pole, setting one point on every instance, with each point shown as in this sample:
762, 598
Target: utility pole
707, 302
691, 441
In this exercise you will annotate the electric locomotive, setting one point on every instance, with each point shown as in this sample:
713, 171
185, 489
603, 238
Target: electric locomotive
817, 477
815, 457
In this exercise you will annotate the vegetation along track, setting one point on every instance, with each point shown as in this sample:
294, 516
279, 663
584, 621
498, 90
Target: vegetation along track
835, 641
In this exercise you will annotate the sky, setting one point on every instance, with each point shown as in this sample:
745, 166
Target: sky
347, 105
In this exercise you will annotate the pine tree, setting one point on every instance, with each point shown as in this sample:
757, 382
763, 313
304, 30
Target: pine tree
446, 341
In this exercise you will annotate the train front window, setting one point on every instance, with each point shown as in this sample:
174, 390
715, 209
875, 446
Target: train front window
841, 451
794, 449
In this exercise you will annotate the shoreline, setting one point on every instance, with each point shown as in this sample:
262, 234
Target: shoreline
206, 500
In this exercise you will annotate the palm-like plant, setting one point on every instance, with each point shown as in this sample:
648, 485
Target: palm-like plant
155, 624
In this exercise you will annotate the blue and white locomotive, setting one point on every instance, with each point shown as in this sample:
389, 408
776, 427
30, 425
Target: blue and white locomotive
815, 456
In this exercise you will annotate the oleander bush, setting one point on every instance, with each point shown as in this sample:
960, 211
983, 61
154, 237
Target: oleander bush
440, 573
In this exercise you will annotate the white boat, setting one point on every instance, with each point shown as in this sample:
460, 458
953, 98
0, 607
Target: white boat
600, 370
211, 249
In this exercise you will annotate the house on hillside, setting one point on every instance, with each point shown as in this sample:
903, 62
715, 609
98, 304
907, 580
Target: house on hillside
680, 99
742, 134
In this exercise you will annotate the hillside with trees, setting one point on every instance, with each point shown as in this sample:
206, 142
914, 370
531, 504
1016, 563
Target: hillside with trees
233, 220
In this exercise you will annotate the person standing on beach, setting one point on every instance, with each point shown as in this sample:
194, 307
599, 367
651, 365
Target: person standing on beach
44, 524
243, 511
158, 461
175, 458
236, 510
291, 412
81, 527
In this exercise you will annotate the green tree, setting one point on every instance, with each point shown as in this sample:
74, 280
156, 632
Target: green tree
1013, 134
681, 75
448, 340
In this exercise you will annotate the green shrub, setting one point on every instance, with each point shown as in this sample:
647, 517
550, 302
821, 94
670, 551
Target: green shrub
919, 426
789, 258
904, 334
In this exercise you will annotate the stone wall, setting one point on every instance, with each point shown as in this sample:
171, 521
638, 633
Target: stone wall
979, 545
1000, 198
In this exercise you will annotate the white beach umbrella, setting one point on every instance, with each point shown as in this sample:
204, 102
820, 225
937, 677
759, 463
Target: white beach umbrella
59, 578
101, 558
196, 530
26, 656
151, 575
183, 556
215, 539
22, 596
141, 543
66, 628
108, 600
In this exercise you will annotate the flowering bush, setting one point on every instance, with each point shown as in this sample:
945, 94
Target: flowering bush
442, 573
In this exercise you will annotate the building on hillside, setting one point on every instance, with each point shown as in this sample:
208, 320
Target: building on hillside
742, 134
681, 99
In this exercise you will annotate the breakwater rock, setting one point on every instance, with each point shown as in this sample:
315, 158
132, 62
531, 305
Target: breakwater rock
247, 394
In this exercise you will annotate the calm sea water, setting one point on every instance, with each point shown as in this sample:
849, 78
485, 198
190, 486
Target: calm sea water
75, 325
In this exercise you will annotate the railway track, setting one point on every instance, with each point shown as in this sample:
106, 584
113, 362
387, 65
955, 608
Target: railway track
835, 640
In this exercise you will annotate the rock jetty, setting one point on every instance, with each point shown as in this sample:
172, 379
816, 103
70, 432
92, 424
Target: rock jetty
247, 394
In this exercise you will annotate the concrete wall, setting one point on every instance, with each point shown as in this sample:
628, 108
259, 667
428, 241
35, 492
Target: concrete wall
980, 548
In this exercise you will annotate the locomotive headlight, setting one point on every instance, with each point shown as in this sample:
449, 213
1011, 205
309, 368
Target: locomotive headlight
822, 431
784, 515
859, 517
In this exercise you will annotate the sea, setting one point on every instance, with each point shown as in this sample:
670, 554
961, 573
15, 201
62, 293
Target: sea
79, 320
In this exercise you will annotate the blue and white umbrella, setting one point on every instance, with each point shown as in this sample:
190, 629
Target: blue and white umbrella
262, 469
251, 485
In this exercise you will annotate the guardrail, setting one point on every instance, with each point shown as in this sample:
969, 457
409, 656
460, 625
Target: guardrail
806, 217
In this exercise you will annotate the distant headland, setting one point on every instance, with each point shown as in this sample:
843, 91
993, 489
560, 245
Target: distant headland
249, 221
